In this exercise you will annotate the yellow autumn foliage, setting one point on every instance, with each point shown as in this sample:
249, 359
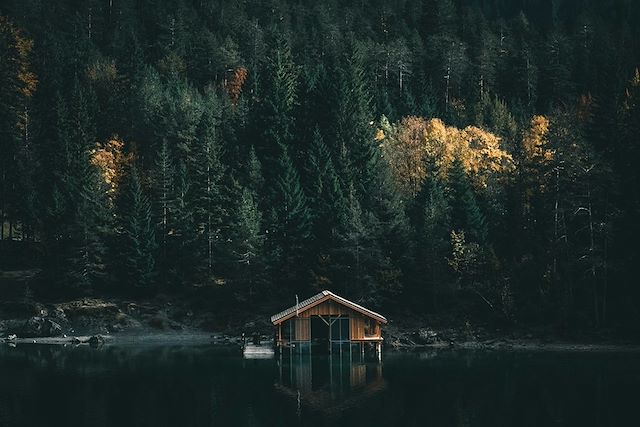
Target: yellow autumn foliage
535, 142
110, 159
415, 143
26, 79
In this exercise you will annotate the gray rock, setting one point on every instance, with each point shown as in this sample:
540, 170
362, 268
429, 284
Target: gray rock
96, 340
53, 329
38, 326
115, 327
426, 336
59, 314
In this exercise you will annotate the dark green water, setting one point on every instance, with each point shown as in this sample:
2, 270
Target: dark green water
200, 385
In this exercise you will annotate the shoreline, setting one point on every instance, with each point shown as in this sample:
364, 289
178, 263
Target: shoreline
165, 321
221, 340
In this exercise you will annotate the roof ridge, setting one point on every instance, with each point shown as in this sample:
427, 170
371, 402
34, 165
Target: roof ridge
321, 295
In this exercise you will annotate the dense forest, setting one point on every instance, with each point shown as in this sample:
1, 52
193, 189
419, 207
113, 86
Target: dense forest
443, 156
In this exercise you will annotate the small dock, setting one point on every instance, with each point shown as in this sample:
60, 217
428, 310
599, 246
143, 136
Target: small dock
258, 351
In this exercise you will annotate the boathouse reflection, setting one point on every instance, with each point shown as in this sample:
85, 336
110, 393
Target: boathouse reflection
330, 383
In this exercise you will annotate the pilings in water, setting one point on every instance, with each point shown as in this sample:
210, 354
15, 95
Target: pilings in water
360, 348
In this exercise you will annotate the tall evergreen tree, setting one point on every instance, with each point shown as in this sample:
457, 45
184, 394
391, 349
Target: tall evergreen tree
289, 224
433, 238
326, 201
184, 252
77, 213
163, 203
465, 212
135, 244
246, 246
354, 134
17, 86
209, 201
276, 125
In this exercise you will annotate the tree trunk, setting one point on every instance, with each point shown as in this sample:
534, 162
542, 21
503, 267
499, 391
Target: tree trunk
596, 310
605, 254
209, 233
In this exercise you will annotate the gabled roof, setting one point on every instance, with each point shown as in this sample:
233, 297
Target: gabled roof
320, 298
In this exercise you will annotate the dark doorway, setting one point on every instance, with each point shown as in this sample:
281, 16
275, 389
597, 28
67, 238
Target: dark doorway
319, 334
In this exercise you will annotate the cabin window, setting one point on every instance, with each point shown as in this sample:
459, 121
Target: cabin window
369, 328
340, 329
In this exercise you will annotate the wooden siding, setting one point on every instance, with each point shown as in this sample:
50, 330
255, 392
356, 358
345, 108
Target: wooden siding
301, 325
327, 308
357, 328
302, 329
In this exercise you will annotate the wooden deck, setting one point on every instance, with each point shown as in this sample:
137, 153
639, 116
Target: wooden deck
255, 351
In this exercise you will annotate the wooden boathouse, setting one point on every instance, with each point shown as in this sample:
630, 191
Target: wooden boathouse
325, 320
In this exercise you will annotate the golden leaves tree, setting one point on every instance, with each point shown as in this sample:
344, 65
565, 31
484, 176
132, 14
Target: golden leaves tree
414, 143
110, 158
236, 83
535, 143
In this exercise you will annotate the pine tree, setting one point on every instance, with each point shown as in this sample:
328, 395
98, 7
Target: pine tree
276, 118
355, 151
246, 246
363, 270
253, 173
17, 86
363, 172
465, 212
77, 211
326, 201
135, 242
208, 198
184, 252
88, 196
163, 202
433, 238
289, 223
328, 208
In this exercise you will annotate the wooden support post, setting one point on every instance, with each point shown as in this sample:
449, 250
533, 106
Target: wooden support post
279, 335
330, 343
340, 333
290, 341
280, 364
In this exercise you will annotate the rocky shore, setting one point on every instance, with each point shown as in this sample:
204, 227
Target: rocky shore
414, 335
95, 321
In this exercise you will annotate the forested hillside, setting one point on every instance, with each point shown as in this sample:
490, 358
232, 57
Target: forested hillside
449, 156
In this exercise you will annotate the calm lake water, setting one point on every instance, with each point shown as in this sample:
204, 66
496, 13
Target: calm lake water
202, 385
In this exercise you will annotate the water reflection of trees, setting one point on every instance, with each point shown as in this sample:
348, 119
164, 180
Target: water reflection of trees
130, 386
